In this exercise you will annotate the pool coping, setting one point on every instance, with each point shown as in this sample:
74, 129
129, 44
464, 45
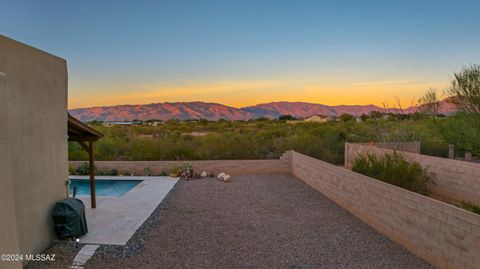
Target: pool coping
119, 177
117, 218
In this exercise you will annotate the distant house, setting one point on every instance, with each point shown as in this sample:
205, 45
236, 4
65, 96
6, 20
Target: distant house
112, 123
154, 123
318, 118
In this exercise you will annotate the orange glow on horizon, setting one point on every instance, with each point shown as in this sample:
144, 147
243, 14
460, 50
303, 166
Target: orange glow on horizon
245, 93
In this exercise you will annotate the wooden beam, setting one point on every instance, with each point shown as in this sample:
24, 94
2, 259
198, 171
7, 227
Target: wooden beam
92, 175
75, 126
73, 132
82, 138
84, 146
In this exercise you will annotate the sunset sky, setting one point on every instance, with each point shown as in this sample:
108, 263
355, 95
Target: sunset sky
242, 53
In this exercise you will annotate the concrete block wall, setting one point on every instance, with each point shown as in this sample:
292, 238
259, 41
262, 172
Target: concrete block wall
413, 147
442, 234
232, 167
454, 180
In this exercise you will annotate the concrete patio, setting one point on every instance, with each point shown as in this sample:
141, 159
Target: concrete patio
116, 219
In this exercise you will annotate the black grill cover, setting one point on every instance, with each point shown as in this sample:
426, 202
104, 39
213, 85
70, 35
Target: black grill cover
69, 218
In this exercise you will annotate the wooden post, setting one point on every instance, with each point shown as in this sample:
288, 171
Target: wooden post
92, 175
451, 151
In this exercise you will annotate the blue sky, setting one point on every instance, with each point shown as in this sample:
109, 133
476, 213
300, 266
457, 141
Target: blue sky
246, 52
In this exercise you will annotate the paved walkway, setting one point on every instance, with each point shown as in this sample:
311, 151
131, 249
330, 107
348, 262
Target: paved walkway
258, 221
116, 219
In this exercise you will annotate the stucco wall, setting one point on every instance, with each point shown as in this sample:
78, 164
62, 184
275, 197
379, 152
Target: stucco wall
454, 179
232, 167
8, 225
34, 146
442, 234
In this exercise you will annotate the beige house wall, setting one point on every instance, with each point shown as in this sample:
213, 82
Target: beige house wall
8, 226
454, 180
442, 234
34, 144
231, 167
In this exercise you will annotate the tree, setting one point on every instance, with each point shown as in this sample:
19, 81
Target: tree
364, 117
429, 103
95, 122
262, 119
465, 89
346, 117
286, 117
375, 114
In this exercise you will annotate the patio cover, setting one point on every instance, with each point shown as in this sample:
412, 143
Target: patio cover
85, 136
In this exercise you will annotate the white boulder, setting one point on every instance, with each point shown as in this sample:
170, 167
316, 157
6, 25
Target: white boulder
227, 178
221, 176
204, 174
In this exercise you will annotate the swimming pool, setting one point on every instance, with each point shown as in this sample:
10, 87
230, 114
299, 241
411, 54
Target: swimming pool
103, 187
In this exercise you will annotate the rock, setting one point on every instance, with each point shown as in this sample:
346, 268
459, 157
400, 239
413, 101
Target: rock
204, 174
220, 176
227, 178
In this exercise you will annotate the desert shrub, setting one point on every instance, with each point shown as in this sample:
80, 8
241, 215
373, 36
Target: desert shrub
111, 172
176, 170
83, 169
394, 169
71, 169
470, 207
270, 138
147, 171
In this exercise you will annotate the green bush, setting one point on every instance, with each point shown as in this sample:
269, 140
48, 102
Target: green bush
394, 169
112, 172
83, 169
470, 207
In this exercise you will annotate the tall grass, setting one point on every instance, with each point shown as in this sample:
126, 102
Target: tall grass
396, 170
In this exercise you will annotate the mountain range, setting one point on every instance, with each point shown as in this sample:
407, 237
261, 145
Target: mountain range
214, 111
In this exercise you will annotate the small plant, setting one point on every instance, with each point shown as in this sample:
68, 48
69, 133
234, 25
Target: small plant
470, 207
394, 169
186, 172
147, 171
176, 171
82, 169
71, 169
163, 173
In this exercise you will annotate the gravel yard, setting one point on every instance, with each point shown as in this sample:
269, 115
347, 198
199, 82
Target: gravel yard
256, 221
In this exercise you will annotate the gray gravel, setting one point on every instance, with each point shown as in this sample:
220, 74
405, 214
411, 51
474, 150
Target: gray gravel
64, 254
256, 221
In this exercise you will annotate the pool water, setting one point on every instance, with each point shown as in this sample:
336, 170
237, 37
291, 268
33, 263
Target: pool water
103, 187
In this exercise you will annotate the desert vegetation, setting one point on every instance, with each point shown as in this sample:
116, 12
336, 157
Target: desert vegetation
394, 169
470, 207
264, 138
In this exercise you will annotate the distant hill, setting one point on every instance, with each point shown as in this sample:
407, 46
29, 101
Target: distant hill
214, 111
162, 111
303, 110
